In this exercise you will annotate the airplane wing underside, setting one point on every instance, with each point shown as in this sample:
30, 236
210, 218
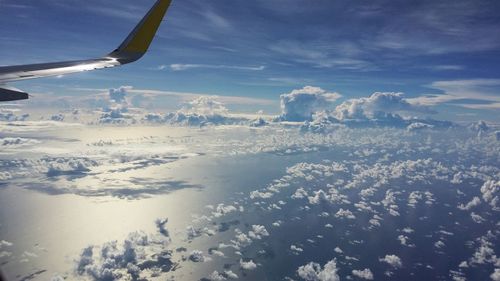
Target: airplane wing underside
132, 49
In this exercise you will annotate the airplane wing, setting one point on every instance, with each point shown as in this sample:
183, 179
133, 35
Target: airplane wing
132, 49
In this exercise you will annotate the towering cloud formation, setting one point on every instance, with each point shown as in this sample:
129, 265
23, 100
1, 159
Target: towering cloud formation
376, 106
300, 105
118, 95
316, 107
198, 112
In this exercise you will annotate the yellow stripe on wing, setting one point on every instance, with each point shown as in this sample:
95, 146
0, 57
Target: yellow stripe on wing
145, 33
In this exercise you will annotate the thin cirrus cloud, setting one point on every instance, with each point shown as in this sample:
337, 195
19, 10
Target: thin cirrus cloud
182, 67
460, 92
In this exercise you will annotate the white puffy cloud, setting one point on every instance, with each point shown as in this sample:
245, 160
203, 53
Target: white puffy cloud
439, 244
62, 166
363, 274
161, 225
477, 218
378, 110
116, 115
376, 106
217, 253
296, 249
10, 115
301, 104
216, 276
228, 274
485, 252
203, 110
417, 126
392, 260
495, 276
196, 256
345, 214
242, 240
299, 193
258, 194
5, 254
4, 243
257, 232
139, 255
333, 196
471, 204
57, 117
222, 210
118, 95
403, 239
249, 265
314, 272
491, 193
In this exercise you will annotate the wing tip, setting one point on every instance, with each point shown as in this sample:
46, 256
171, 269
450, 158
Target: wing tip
138, 41
11, 95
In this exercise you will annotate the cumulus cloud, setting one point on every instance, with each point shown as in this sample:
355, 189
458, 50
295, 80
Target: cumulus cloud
71, 166
196, 256
392, 260
477, 218
218, 276
417, 126
376, 106
300, 193
377, 110
363, 274
258, 231
10, 115
118, 95
116, 115
491, 193
204, 110
301, 104
57, 117
495, 276
4, 243
161, 225
16, 142
242, 240
139, 256
485, 252
314, 272
249, 265
347, 214
471, 204
222, 210
295, 249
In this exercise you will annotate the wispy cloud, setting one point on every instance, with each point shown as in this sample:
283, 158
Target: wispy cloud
181, 67
495, 105
217, 20
235, 100
447, 67
323, 54
290, 80
461, 92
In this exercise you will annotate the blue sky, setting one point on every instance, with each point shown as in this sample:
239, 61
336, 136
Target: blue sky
261, 49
